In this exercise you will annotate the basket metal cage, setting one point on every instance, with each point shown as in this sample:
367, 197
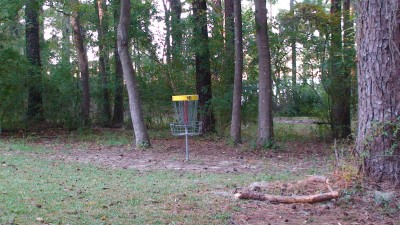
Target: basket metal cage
193, 128
185, 107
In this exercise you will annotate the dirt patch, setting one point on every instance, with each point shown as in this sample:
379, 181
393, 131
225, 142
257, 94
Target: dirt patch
168, 154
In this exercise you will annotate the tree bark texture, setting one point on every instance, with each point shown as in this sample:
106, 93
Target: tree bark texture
102, 27
202, 61
118, 117
83, 64
265, 122
141, 136
237, 88
378, 41
32, 39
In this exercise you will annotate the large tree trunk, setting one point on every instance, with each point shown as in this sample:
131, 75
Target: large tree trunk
265, 123
102, 27
237, 89
118, 117
378, 41
339, 85
202, 61
83, 64
32, 34
142, 138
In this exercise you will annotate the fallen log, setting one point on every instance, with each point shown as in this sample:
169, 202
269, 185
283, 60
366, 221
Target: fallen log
288, 199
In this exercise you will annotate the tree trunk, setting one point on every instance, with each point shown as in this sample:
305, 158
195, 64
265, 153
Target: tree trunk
265, 122
202, 61
167, 19
176, 30
174, 33
378, 41
343, 115
66, 44
217, 37
102, 28
118, 117
32, 34
142, 138
229, 62
339, 85
237, 89
293, 50
83, 64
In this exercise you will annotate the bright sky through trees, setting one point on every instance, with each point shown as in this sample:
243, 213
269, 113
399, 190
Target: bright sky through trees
157, 27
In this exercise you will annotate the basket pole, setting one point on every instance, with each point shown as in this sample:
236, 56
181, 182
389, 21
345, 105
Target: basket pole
185, 110
185, 113
187, 143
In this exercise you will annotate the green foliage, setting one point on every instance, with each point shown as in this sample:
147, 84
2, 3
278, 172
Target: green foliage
156, 95
62, 98
307, 102
9, 10
13, 91
221, 104
158, 80
250, 101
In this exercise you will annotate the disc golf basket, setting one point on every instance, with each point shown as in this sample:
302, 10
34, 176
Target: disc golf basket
185, 107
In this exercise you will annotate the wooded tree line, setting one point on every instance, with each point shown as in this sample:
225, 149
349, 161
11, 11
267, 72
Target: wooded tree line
237, 57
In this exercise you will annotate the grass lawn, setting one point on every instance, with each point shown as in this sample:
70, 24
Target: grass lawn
94, 177
36, 190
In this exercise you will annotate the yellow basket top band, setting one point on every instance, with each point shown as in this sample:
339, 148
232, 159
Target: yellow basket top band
178, 98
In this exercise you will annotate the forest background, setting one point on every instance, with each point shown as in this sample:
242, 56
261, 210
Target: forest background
300, 87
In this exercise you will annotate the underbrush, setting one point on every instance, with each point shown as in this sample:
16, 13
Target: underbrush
290, 131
